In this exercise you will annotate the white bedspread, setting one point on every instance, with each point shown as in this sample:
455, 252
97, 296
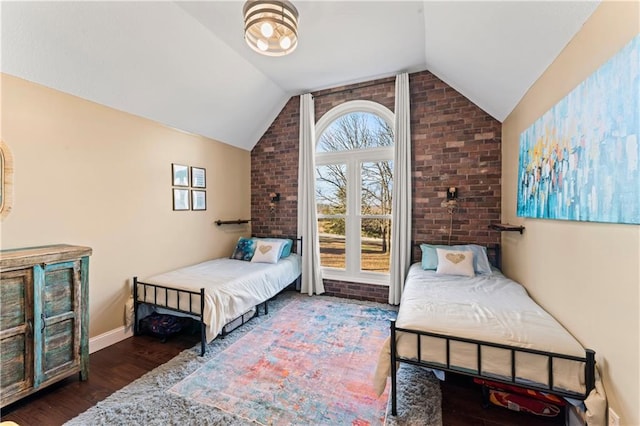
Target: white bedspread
490, 308
232, 287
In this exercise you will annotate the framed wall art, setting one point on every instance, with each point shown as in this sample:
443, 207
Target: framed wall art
179, 175
198, 199
198, 177
180, 199
580, 160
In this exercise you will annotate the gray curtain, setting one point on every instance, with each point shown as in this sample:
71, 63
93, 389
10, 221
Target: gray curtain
401, 207
307, 219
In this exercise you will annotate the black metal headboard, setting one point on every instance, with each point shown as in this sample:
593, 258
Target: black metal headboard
493, 252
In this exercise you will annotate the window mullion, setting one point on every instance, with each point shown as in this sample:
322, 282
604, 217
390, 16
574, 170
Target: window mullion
358, 224
353, 221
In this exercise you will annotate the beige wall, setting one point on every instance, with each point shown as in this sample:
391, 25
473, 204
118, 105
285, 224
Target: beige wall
89, 175
586, 274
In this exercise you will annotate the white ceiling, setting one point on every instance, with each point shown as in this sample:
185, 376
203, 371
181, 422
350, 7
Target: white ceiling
186, 65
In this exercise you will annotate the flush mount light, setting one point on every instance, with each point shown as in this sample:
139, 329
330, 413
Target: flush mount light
270, 26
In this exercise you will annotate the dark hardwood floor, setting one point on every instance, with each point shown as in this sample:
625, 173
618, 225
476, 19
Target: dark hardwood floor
118, 365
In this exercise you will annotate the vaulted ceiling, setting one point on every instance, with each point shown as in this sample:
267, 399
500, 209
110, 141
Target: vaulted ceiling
186, 65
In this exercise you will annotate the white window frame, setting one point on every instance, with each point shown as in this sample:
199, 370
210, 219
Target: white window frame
353, 161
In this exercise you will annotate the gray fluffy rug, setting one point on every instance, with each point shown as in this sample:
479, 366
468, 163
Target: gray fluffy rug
419, 399
146, 402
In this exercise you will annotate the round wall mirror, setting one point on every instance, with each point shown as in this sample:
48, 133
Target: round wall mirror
6, 180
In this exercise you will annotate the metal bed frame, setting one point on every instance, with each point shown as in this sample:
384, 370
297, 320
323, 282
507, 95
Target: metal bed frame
185, 294
189, 294
588, 359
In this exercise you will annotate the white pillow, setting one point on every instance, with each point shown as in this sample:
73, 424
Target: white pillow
267, 251
454, 262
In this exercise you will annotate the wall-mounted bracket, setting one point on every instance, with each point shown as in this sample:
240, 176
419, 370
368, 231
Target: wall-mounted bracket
232, 222
506, 227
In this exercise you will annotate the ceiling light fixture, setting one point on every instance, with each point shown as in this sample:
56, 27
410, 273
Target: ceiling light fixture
270, 26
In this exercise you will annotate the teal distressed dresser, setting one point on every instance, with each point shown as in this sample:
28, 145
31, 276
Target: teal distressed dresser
44, 317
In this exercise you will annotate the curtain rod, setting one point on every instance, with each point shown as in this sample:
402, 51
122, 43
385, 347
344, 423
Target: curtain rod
351, 89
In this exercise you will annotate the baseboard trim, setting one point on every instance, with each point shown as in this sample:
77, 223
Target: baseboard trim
109, 338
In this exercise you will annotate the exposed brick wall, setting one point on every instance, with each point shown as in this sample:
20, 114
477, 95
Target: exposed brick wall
454, 143
360, 291
274, 168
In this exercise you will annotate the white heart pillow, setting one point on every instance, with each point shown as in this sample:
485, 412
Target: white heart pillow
451, 262
267, 251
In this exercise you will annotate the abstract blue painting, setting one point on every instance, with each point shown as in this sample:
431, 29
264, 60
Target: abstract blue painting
579, 161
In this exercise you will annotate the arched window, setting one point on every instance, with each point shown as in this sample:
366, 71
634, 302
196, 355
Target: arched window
354, 178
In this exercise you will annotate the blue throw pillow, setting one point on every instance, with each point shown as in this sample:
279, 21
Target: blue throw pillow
429, 257
286, 248
244, 249
481, 262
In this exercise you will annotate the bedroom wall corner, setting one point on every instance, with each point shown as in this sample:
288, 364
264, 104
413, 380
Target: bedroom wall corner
90, 175
585, 274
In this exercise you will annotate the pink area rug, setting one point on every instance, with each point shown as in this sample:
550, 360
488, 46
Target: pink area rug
311, 363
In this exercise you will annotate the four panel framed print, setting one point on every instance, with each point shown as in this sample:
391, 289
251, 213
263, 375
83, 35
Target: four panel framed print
188, 185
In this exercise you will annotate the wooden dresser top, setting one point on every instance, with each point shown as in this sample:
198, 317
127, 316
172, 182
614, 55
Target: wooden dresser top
27, 256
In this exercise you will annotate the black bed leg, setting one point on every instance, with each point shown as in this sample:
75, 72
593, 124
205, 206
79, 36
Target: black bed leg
203, 339
485, 396
136, 331
590, 370
394, 398
392, 348
203, 333
266, 308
